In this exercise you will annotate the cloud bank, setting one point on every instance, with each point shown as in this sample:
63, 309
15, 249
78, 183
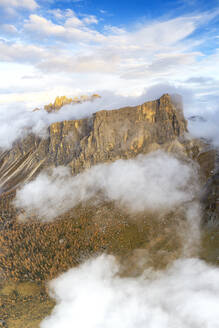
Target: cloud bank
206, 126
154, 182
93, 295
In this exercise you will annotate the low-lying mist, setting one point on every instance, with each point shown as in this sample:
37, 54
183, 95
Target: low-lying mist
185, 295
155, 182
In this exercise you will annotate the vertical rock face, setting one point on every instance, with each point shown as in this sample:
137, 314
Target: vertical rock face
63, 100
59, 102
106, 136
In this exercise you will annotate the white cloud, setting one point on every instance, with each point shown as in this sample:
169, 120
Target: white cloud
26, 4
150, 49
118, 58
43, 26
72, 29
157, 48
90, 19
57, 13
18, 52
156, 182
8, 28
83, 64
93, 295
73, 21
103, 11
206, 128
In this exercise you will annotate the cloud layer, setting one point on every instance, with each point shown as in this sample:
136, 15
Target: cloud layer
185, 296
155, 182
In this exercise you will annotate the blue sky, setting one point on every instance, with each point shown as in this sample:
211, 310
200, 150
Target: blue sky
50, 48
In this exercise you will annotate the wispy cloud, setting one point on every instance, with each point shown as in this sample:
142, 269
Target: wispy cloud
72, 29
61, 41
130, 183
17, 52
153, 48
26, 4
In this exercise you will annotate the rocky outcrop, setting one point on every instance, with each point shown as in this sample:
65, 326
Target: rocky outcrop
63, 100
106, 136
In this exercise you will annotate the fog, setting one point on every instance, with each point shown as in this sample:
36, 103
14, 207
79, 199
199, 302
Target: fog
185, 295
155, 182
206, 126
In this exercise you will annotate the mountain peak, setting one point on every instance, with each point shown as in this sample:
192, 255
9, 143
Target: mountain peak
61, 101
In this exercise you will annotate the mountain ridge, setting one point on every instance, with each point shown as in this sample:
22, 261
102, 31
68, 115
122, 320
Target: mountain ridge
105, 136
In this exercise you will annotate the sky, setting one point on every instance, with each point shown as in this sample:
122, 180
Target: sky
51, 48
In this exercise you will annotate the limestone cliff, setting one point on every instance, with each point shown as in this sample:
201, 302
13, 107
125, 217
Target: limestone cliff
106, 136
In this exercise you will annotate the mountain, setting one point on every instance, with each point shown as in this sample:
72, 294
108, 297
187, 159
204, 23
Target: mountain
38, 251
105, 136
63, 100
